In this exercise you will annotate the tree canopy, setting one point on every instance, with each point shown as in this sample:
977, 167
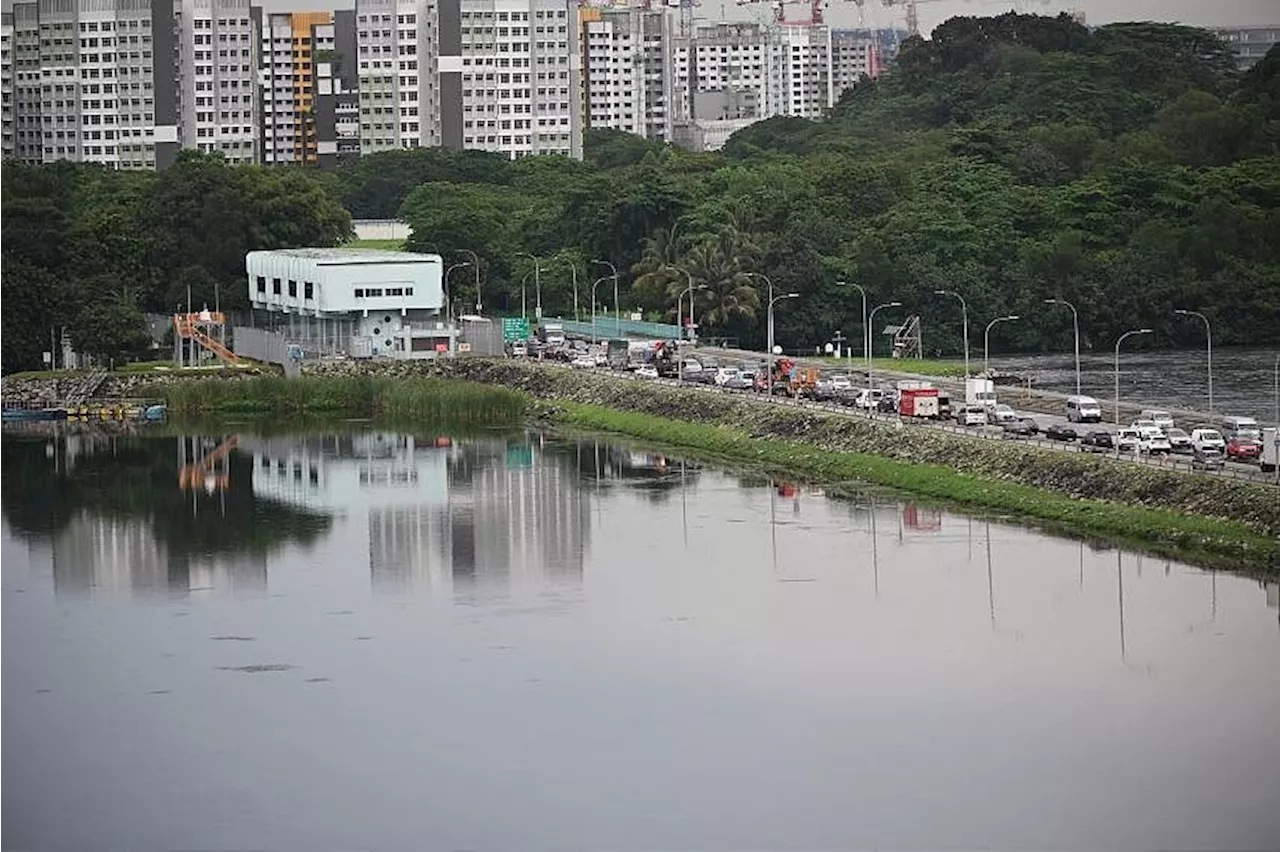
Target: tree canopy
1129, 169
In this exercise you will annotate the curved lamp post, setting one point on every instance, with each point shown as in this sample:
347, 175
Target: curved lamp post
866, 337
871, 319
537, 286
1208, 336
475, 262
594, 285
1118, 342
769, 313
690, 290
964, 312
772, 302
1075, 323
617, 308
448, 298
986, 337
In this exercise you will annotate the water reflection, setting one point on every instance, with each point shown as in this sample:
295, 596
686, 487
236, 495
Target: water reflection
439, 600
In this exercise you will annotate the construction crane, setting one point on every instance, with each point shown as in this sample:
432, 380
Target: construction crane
913, 13
810, 11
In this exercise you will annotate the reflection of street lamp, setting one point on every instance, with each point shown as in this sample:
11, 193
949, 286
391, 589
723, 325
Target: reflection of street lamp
870, 321
1118, 342
986, 337
1075, 323
1208, 336
448, 299
964, 312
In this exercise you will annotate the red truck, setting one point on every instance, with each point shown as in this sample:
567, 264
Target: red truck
918, 402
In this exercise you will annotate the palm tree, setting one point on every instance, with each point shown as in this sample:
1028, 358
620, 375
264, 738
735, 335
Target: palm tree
721, 263
656, 274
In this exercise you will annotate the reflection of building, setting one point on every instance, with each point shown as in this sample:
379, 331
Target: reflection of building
99, 555
439, 515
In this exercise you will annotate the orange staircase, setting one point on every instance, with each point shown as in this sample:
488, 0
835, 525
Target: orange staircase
196, 475
189, 326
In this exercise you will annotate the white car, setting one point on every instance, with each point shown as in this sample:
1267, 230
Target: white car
583, 362
1128, 440
1155, 442
1161, 418
1180, 441
1002, 414
841, 383
646, 371
691, 366
724, 374
972, 415
1208, 439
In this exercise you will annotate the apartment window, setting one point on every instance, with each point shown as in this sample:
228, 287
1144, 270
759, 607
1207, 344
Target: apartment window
293, 289
262, 284
308, 290
275, 286
359, 293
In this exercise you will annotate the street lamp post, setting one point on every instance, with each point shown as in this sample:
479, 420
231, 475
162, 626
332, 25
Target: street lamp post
1208, 336
679, 318
594, 285
1118, 342
986, 337
475, 263
537, 284
448, 297
866, 337
573, 270
772, 302
523, 281
769, 321
870, 320
1075, 323
617, 306
964, 313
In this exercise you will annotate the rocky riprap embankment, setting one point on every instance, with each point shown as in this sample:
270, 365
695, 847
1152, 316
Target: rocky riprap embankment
1075, 474
48, 393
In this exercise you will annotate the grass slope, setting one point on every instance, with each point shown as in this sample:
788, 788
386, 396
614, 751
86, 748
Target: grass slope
1218, 543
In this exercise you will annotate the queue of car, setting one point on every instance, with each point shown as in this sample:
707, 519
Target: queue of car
1152, 433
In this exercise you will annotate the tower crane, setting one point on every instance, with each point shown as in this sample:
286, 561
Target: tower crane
810, 11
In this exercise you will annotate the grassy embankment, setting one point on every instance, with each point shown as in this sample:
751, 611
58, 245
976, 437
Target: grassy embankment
1208, 541
350, 396
382, 245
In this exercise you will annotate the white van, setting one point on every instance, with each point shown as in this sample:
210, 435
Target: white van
1241, 427
971, 415
1161, 418
1083, 409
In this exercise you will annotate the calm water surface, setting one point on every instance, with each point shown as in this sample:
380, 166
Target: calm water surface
383, 641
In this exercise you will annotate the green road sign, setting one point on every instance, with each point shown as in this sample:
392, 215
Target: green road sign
515, 328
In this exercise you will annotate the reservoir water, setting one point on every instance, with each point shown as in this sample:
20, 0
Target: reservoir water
377, 640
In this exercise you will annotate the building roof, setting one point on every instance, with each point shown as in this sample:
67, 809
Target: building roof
341, 256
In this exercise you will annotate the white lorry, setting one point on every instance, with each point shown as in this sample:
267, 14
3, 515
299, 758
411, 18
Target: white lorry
1270, 456
980, 392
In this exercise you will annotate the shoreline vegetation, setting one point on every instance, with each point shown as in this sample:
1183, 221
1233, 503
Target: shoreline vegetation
1212, 522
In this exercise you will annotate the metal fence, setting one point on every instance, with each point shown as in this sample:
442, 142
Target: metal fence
267, 346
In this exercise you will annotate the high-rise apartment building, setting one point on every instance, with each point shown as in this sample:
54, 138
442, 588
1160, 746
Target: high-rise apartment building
511, 76
1249, 44
855, 56
309, 93
627, 71
397, 44
83, 82
217, 76
803, 54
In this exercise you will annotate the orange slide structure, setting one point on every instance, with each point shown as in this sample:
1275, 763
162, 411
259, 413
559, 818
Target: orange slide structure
188, 326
